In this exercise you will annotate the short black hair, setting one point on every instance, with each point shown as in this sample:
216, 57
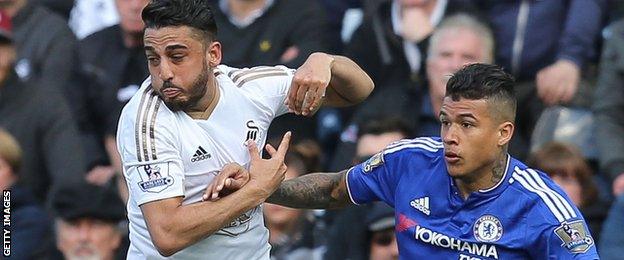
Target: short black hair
196, 14
382, 125
485, 81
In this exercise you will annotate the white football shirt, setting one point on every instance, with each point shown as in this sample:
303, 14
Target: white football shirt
168, 154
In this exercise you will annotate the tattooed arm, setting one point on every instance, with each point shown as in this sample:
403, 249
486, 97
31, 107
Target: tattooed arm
315, 190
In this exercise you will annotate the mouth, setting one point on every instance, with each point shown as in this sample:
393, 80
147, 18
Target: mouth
451, 157
171, 92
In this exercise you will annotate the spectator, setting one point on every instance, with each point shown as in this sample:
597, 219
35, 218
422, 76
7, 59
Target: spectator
114, 65
46, 47
30, 229
566, 166
608, 107
347, 233
459, 39
41, 121
399, 51
271, 32
88, 222
89, 16
545, 45
291, 230
382, 243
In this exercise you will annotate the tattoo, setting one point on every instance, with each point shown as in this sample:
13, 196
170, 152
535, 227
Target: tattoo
499, 169
316, 190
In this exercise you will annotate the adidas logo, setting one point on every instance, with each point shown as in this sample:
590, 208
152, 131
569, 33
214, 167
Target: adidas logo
421, 204
200, 155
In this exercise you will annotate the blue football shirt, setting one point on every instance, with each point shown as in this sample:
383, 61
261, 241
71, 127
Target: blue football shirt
524, 216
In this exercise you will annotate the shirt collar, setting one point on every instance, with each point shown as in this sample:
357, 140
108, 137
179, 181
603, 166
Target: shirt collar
502, 180
225, 8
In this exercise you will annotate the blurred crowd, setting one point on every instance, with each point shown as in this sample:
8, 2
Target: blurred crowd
67, 67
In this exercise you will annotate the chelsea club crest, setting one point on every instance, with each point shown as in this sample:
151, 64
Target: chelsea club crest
488, 229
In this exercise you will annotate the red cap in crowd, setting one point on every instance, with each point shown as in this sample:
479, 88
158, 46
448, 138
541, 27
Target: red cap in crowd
5, 26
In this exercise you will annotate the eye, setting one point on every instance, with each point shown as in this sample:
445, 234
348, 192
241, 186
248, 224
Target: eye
445, 122
467, 125
153, 61
177, 58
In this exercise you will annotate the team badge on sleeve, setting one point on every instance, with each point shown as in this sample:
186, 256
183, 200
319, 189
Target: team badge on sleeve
373, 162
154, 177
574, 236
488, 229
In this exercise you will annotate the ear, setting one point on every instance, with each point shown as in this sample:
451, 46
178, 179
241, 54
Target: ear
213, 52
505, 132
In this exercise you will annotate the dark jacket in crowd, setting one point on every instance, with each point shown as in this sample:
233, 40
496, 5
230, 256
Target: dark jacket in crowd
547, 31
41, 122
286, 23
31, 236
46, 47
110, 74
609, 103
61, 7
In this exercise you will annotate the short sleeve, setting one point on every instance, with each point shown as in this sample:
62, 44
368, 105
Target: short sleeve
375, 179
270, 83
149, 150
569, 240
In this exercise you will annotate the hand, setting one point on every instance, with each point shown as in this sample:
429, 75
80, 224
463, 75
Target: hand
558, 82
100, 175
309, 84
267, 174
231, 178
618, 185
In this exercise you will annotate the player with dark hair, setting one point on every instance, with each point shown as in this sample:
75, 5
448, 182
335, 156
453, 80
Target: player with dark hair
193, 117
460, 196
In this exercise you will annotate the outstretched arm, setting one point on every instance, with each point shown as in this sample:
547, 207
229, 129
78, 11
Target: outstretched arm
315, 190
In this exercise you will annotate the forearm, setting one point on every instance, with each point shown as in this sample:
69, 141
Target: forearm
185, 225
316, 190
349, 84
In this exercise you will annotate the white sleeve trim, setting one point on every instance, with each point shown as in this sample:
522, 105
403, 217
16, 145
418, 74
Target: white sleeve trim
349, 189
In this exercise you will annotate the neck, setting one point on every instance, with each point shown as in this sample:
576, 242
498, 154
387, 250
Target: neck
241, 9
484, 178
209, 100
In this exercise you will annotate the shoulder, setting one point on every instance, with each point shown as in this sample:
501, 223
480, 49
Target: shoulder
102, 36
426, 146
255, 76
52, 22
544, 201
421, 149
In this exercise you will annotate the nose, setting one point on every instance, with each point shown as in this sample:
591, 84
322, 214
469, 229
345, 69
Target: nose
448, 135
84, 231
165, 73
457, 62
